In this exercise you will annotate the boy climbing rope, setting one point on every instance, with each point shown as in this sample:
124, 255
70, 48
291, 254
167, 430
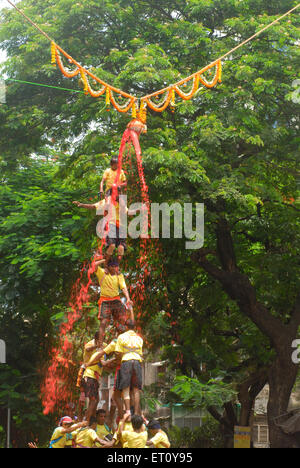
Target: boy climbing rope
113, 179
110, 304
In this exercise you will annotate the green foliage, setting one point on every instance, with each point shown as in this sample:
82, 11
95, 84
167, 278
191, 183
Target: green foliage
213, 393
206, 436
234, 148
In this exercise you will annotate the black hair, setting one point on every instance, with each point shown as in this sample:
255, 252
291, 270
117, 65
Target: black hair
130, 324
137, 421
96, 337
154, 424
93, 420
113, 262
114, 160
100, 411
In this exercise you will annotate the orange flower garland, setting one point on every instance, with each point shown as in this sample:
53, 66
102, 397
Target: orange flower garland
168, 94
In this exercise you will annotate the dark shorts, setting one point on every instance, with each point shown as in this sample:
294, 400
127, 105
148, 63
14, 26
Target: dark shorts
116, 236
114, 310
130, 375
108, 192
91, 388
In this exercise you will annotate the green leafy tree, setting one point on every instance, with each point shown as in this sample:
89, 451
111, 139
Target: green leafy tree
234, 148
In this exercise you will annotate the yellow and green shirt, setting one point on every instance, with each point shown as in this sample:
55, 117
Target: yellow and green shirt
102, 430
58, 438
130, 345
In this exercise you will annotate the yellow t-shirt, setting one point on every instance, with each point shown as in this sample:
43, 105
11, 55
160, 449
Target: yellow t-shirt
131, 345
85, 437
110, 177
118, 438
57, 434
110, 284
133, 439
160, 440
88, 354
95, 371
102, 431
111, 347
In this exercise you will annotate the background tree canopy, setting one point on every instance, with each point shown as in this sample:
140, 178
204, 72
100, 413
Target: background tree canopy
235, 302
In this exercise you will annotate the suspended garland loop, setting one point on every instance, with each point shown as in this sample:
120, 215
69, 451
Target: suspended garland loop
167, 95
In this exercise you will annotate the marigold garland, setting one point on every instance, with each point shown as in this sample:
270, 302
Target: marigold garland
168, 93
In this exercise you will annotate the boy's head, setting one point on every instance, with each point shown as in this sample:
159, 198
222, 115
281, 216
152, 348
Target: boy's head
93, 422
66, 422
154, 426
113, 266
101, 415
137, 422
130, 324
114, 164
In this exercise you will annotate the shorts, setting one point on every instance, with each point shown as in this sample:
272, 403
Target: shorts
130, 375
116, 236
91, 388
114, 310
108, 192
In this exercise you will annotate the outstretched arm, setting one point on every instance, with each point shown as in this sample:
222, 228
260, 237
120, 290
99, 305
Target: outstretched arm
67, 430
95, 358
88, 206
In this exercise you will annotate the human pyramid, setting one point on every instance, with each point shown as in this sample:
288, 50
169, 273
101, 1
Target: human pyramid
116, 348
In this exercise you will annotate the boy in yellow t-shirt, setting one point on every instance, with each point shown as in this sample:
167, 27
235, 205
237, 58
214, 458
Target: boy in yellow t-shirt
87, 437
112, 364
130, 349
102, 429
159, 438
112, 178
66, 426
110, 304
117, 441
91, 376
136, 438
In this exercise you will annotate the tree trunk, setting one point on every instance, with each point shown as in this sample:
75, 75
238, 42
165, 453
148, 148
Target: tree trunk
282, 377
281, 333
248, 392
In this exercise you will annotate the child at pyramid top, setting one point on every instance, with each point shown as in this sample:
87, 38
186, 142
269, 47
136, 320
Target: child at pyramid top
112, 178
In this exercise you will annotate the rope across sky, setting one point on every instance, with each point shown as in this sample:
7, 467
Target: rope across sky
164, 97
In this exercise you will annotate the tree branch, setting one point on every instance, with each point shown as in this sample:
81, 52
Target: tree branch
239, 288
